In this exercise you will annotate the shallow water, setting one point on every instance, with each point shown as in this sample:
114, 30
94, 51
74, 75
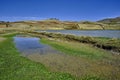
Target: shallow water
94, 33
31, 48
32, 45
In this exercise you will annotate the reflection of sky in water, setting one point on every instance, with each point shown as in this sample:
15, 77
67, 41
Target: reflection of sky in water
95, 33
30, 45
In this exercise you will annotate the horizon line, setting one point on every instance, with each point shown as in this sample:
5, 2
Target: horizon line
35, 18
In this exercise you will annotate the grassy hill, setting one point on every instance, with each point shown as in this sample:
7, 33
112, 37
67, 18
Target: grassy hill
112, 23
46, 24
3, 24
111, 20
55, 24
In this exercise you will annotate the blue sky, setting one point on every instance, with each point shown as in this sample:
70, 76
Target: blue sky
75, 10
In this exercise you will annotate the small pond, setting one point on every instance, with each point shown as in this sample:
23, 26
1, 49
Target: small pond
32, 45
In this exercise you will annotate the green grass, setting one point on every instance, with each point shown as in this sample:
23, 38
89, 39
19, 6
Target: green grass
103, 43
78, 49
108, 43
15, 67
9, 35
94, 56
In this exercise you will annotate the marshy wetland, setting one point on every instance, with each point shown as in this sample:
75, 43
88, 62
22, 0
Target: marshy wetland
59, 39
93, 33
31, 45
34, 55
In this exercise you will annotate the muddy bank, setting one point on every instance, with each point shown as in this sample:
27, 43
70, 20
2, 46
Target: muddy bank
83, 39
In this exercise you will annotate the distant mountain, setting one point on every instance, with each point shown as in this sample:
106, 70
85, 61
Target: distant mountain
110, 20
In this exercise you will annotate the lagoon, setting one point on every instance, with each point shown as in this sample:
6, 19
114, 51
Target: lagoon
93, 33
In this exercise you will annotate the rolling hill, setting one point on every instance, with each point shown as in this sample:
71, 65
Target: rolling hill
55, 24
112, 23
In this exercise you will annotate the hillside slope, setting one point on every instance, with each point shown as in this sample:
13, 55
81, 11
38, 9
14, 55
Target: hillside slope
55, 25
112, 23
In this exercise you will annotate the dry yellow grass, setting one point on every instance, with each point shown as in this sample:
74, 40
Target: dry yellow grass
54, 24
2, 25
89, 26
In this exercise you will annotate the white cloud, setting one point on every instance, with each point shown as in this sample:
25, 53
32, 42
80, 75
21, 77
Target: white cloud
19, 18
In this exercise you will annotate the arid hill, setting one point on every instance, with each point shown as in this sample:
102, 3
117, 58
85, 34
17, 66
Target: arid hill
54, 24
111, 22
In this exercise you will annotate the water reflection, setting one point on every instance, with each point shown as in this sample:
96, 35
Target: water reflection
32, 45
94, 33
